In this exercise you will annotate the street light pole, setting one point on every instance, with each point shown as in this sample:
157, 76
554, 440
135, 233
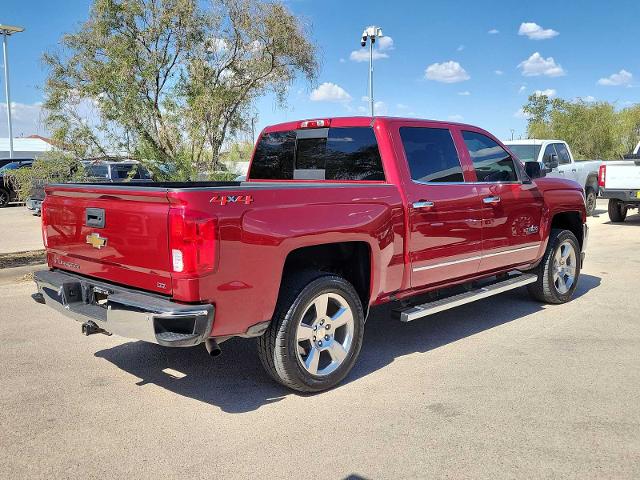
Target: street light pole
371, 104
371, 34
6, 31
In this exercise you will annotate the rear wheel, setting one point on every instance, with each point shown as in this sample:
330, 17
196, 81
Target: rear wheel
617, 211
590, 200
559, 269
316, 333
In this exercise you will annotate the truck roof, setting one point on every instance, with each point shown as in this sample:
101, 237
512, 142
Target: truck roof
532, 141
357, 121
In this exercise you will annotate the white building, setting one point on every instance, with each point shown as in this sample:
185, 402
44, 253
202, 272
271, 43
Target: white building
27, 147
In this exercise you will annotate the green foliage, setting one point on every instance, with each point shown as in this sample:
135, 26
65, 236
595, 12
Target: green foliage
238, 152
52, 167
592, 129
169, 81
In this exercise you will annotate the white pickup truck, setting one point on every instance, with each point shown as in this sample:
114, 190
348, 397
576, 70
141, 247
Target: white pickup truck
558, 161
619, 181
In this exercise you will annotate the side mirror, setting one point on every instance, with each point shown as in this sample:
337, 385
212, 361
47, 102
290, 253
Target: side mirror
553, 161
534, 170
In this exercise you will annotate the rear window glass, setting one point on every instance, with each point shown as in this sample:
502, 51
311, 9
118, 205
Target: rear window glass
98, 171
323, 154
431, 154
125, 171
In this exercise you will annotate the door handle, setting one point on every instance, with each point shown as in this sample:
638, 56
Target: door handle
491, 200
423, 204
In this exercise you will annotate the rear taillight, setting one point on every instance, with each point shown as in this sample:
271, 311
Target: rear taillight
191, 241
602, 175
43, 224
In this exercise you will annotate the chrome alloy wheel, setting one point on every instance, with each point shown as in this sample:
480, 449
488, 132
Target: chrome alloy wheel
325, 334
564, 267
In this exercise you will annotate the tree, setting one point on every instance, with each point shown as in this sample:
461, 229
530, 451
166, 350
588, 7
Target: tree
167, 81
593, 129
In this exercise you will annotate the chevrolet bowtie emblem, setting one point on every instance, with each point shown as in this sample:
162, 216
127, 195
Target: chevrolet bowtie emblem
96, 241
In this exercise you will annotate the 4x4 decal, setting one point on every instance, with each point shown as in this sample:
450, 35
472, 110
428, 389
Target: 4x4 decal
224, 199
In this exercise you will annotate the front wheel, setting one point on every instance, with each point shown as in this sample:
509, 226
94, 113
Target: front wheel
559, 269
617, 211
316, 333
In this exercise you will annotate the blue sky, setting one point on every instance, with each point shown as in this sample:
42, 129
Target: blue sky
462, 60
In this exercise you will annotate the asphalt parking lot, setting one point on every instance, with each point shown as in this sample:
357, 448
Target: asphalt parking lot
19, 230
502, 388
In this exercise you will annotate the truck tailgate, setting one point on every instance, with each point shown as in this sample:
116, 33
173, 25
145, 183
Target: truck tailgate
118, 235
622, 175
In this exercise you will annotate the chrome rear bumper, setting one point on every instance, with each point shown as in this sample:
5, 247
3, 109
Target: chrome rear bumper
125, 312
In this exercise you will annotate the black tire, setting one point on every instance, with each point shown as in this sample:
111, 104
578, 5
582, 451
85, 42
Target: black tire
278, 346
545, 289
617, 211
4, 198
591, 198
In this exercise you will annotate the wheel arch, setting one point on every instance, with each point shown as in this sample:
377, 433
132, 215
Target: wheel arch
352, 260
592, 182
572, 221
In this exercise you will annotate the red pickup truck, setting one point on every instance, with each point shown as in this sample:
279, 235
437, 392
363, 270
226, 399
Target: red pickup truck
337, 216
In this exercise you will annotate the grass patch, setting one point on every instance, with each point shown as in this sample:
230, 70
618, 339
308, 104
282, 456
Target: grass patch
21, 259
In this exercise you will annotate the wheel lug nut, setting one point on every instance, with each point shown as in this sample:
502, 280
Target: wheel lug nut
314, 339
315, 327
326, 337
328, 327
320, 343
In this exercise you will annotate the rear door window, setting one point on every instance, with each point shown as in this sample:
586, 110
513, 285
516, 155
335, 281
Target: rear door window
321, 154
492, 163
431, 154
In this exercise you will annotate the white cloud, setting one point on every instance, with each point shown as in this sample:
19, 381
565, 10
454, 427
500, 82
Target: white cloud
521, 114
26, 119
460, 48
342, 60
330, 92
402, 106
549, 92
385, 43
379, 107
363, 55
493, 31
522, 88
498, 72
217, 45
465, 93
622, 78
456, 118
446, 72
537, 65
589, 98
535, 32
382, 46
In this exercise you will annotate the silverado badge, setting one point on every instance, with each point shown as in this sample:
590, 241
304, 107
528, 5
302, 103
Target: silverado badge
96, 241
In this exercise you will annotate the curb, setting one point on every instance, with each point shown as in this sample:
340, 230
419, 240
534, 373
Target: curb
16, 274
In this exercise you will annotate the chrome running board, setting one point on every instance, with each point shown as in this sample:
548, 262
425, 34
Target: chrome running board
429, 308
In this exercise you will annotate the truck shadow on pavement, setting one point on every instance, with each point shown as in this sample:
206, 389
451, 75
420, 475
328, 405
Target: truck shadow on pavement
236, 383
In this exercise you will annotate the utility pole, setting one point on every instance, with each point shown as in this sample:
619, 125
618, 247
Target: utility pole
8, 30
512, 132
